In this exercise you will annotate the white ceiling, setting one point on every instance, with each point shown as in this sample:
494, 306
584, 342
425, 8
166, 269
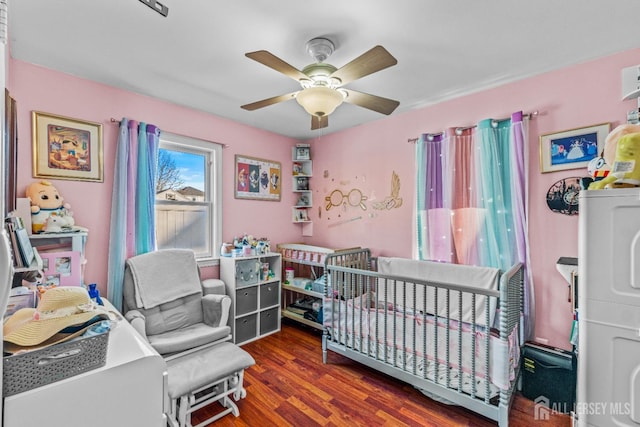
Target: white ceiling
195, 56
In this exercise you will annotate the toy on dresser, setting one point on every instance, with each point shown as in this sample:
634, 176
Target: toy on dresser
48, 212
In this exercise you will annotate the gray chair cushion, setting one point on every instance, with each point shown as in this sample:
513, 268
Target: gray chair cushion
186, 338
173, 315
206, 366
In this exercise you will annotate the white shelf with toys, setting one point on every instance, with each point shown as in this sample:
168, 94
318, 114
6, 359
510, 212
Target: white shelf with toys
302, 171
59, 241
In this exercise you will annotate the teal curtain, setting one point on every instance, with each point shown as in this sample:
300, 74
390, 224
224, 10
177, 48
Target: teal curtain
132, 229
148, 147
493, 175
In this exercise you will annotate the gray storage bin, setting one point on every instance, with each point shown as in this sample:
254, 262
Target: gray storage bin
269, 294
269, 320
246, 328
246, 300
25, 371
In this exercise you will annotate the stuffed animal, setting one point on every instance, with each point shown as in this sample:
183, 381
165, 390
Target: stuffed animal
611, 141
45, 202
625, 170
57, 224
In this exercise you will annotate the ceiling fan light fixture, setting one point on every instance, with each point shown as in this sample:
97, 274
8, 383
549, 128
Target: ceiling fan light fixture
319, 101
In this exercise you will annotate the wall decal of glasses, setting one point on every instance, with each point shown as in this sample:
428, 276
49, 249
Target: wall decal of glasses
353, 198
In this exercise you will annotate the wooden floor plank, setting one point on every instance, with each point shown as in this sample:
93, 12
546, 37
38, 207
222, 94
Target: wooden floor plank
290, 386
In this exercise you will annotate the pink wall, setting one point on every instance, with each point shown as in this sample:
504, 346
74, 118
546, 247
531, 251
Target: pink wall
363, 158
40, 89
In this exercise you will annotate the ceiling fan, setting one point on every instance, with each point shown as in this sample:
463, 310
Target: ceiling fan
322, 84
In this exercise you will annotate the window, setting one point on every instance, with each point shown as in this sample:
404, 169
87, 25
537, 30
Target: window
188, 195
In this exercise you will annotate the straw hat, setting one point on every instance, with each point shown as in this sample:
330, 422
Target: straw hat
63, 312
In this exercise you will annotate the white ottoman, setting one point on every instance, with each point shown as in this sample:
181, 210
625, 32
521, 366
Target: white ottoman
204, 376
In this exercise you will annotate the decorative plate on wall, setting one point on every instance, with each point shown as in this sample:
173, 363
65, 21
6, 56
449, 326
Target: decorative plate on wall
562, 197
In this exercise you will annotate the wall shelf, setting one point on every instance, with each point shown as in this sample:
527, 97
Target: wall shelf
302, 171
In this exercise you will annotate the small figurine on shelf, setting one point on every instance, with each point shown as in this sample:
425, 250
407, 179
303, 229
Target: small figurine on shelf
302, 215
302, 183
58, 223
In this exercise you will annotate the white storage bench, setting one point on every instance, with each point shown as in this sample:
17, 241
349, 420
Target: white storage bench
199, 378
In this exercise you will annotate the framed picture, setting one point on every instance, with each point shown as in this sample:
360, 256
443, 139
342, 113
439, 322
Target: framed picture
257, 179
66, 148
573, 148
64, 267
303, 153
10, 154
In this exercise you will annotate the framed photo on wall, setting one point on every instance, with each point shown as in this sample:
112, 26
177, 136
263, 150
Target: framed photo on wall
257, 179
66, 148
573, 148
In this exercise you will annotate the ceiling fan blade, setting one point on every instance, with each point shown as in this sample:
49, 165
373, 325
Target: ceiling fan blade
272, 61
319, 122
372, 102
369, 62
269, 101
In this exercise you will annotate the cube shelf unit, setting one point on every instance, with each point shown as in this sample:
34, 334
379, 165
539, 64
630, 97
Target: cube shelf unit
255, 306
307, 262
302, 171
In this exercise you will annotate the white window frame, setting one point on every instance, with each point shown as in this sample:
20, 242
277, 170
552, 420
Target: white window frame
213, 192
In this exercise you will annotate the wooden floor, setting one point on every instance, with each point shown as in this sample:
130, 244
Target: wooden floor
290, 386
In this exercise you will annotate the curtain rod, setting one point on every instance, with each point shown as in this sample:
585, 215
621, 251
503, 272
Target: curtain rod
112, 120
461, 129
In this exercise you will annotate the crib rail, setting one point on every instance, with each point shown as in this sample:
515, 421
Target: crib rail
439, 333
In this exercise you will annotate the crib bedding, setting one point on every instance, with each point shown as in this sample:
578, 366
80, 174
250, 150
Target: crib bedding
439, 272
416, 342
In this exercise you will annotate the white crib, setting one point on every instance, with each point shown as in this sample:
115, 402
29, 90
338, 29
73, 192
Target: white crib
452, 331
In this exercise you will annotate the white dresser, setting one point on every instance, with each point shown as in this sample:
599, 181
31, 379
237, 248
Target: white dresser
127, 391
608, 391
